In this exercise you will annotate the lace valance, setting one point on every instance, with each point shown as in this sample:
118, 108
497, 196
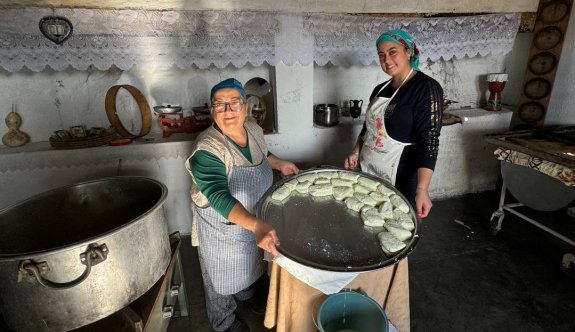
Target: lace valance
124, 38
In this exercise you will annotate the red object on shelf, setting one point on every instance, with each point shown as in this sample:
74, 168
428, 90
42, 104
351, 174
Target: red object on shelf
120, 141
178, 123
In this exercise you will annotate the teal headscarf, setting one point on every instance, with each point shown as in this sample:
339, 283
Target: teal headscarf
403, 38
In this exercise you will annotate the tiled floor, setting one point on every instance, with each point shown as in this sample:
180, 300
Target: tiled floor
461, 277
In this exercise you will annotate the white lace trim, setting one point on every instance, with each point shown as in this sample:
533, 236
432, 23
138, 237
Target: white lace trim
124, 38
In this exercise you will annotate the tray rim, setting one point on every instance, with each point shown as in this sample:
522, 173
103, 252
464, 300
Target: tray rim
261, 204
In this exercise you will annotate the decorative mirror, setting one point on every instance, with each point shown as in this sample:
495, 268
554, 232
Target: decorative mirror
56, 28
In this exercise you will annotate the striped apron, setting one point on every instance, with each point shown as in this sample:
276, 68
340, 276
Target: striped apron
230, 253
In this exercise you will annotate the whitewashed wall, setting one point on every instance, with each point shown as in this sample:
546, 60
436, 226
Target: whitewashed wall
50, 100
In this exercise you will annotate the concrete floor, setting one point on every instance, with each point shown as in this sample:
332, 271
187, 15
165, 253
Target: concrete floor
461, 277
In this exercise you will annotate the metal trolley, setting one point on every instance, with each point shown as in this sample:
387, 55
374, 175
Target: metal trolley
529, 186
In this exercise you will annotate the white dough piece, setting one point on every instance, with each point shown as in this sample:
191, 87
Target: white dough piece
303, 187
386, 210
358, 188
321, 189
322, 180
307, 177
349, 176
371, 217
389, 243
399, 203
281, 193
366, 199
369, 183
378, 197
407, 225
329, 175
353, 204
404, 219
342, 182
340, 193
398, 231
291, 184
385, 190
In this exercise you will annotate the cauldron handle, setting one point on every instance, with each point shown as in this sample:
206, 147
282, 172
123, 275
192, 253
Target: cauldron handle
93, 255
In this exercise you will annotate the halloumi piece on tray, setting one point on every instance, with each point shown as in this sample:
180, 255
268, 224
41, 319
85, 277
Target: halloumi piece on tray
341, 193
399, 203
399, 232
353, 204
307, 177
321, 189
389, 243
369, 183
360, 189
349, 176
303, 187
371, 217
342, 182
281, 193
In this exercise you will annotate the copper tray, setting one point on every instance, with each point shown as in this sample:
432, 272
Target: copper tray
321, 232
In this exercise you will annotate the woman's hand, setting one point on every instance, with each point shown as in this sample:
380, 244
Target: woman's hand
352, 161
422, 203
266, 237
286, 167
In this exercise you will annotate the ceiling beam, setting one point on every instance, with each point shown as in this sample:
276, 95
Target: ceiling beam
314, 6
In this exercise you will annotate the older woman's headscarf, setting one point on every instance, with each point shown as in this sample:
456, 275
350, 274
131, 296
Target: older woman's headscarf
403, 38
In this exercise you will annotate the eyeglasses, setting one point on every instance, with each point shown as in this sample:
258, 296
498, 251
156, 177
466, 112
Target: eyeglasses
235, 106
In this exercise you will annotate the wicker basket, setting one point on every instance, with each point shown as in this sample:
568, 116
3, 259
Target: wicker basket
82, 142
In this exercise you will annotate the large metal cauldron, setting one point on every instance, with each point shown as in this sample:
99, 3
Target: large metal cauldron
73, 255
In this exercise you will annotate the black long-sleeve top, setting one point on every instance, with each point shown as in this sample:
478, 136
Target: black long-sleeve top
414, 116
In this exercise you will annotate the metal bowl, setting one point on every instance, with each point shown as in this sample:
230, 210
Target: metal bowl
169, 109
323, 233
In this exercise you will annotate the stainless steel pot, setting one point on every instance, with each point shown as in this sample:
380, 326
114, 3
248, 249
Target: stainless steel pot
169, 109
76, 254
326, 115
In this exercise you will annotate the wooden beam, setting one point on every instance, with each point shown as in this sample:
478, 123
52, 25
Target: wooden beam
317, 6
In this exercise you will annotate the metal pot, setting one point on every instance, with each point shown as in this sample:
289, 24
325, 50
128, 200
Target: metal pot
76, 254
326, 115
169, 109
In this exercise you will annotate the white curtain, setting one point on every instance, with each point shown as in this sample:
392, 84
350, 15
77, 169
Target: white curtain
124, 38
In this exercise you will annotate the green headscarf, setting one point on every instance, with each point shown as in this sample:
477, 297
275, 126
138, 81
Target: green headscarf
403, 38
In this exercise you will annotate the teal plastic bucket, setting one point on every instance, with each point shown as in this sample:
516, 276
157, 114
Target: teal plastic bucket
351, 311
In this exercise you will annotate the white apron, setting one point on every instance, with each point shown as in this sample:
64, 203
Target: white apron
231, 256
380, 153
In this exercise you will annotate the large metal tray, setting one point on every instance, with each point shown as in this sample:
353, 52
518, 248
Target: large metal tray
321, 232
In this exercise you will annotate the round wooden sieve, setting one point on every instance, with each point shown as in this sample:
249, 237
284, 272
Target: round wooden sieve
143, 105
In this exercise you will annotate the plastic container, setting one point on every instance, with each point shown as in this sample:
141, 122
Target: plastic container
351, 311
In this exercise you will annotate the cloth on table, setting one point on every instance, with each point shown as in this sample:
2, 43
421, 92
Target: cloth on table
292, 303
328, 282
560, 172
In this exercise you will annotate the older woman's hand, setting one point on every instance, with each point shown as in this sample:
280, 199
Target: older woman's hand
266, 237
286, 167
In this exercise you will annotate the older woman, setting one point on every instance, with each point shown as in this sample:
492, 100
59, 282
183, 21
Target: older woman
400, 138
231, 169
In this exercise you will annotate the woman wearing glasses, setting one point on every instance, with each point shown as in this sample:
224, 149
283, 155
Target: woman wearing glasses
231, 169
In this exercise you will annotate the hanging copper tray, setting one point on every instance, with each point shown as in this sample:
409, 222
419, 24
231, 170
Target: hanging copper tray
321, 232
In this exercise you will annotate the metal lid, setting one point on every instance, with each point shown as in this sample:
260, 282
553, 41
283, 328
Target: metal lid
168, 109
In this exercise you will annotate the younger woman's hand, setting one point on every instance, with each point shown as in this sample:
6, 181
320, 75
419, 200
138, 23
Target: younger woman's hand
352, 161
